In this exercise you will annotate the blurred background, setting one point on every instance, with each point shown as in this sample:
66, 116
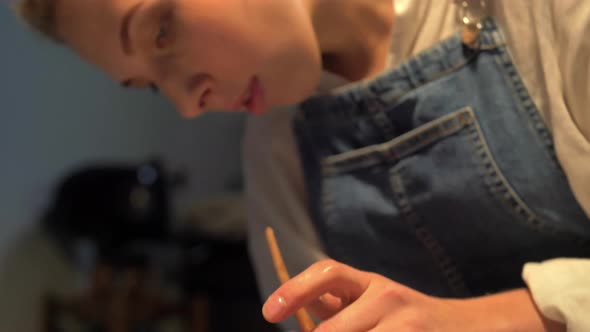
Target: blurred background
116, 214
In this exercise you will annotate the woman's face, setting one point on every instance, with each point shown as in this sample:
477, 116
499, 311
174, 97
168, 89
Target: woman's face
203, 54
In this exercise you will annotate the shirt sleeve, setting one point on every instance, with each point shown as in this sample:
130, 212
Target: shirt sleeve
275, 197
561, 290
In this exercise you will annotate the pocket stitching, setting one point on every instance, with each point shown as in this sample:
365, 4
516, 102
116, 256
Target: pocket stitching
446, 264
401, 146
396, 149
499, 187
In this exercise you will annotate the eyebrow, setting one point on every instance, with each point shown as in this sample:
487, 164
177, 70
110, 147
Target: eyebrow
124, 30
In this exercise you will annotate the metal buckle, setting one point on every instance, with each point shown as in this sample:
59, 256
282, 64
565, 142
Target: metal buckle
470, 13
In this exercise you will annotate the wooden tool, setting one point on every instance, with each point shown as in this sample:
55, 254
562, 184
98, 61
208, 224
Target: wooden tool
305, 322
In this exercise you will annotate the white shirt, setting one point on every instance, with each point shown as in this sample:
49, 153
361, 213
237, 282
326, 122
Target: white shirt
549, 43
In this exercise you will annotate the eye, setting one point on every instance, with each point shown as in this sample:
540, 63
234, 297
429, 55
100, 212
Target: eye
163, 36
154, 88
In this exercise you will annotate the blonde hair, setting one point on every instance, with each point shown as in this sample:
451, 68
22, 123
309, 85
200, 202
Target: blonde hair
40, 15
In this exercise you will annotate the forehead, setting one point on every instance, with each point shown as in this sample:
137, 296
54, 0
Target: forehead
92, 29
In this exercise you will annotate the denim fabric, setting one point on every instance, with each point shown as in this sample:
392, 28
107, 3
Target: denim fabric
440, 173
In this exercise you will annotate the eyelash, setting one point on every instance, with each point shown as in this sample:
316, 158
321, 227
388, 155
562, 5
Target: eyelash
162, 39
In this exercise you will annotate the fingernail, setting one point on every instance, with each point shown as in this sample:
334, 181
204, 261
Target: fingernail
273, 308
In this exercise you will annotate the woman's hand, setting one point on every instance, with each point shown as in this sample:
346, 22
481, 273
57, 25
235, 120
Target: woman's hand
349, 300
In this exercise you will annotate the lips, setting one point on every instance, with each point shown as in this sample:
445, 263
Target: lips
248, 97
251, 98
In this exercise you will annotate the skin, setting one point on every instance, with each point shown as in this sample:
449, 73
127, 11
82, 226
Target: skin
197, 77
346, 300
286, 44
242, 40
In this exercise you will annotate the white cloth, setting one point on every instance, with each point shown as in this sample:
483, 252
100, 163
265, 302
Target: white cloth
551, 49
561, 290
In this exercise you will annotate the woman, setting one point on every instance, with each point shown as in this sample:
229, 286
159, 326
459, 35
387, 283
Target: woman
436, 170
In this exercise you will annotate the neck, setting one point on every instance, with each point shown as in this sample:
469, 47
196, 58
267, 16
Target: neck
353, 35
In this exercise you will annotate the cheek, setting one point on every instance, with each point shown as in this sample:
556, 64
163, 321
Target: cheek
211, 43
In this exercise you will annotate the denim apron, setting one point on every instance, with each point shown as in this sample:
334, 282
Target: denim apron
439, 174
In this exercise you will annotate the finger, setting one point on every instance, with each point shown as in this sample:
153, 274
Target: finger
327, 305
382, 304
362, 315
324, 277
390, 325
399, 325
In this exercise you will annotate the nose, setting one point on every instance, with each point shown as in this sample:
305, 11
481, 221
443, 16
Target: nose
193, 97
